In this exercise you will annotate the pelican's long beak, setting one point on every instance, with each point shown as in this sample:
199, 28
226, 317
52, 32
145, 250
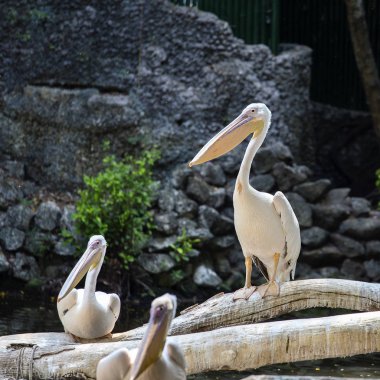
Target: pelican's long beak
228, 138
153, 343
88, 261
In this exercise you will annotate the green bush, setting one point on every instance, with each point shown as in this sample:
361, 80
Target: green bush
182, 246
116, 202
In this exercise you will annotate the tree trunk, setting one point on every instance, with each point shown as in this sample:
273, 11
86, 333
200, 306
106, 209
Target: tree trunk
365, 59
230, 348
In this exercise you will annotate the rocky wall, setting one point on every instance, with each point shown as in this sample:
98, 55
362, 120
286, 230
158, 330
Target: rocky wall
340, 234
76, 73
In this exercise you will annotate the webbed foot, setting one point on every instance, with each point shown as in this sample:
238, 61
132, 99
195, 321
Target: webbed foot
272, 288
244, 293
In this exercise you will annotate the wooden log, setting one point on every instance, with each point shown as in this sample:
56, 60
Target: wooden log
222, 311
291, 377
230, 348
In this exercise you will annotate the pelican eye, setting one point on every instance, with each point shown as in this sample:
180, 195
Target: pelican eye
159, 311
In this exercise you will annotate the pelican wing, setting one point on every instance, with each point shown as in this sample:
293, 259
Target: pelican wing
175, 354
115, 366
292, 232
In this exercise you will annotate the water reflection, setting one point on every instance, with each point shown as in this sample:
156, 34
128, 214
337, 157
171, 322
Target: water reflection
19, 313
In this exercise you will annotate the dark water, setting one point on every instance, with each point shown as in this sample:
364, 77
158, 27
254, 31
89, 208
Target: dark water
20, 313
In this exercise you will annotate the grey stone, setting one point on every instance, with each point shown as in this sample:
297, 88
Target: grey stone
372, 269
9, 193
235, 281
205, 276
337, 195
28, 189
228, 212
223, 266
167, 199
39, 243
160, 243
329, 272
222, 242
217, 197
4, 264
349, 247
48, 216
352, 269
330, 215
263, 182
361, 228
67, 222
268, 156
19, 216
288, 176
11, 238
180, 175
14, 169
24, 267
202, 234
325, 255
302, 270
3, 219
187, 224
301, 208
166, 223
216, 223
360, 206
312, 191
156, 262
213, 174
230, 188
373, 248
231, 162
63, 248
198, 189
185, 206
193, 253
314, 237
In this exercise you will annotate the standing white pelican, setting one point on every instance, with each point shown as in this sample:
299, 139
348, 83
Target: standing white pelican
85, 313
266, 225
153, 360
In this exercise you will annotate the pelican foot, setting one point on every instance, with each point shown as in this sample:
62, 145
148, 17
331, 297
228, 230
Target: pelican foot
272, 288
244, 293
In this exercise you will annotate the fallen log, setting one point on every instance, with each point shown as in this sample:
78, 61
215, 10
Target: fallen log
291, 377
230, 348
222, 311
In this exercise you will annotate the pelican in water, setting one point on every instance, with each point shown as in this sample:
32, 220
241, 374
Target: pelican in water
85, 313
265, 224
153, 360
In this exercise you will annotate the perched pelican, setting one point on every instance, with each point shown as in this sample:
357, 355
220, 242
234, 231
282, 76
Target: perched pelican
266, 225
153, 360
85, 313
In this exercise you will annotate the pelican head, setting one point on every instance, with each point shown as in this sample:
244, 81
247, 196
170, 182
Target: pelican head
162, 312
96, 249
252, 120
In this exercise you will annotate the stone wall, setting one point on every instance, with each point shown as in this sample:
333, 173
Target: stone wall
340, 234
133, 72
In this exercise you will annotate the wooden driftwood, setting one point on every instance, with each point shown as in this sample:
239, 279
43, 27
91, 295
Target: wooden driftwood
229, 348
55, 355
222, 311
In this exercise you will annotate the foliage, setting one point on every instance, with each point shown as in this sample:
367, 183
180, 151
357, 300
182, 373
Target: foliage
115, 203
182, 246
